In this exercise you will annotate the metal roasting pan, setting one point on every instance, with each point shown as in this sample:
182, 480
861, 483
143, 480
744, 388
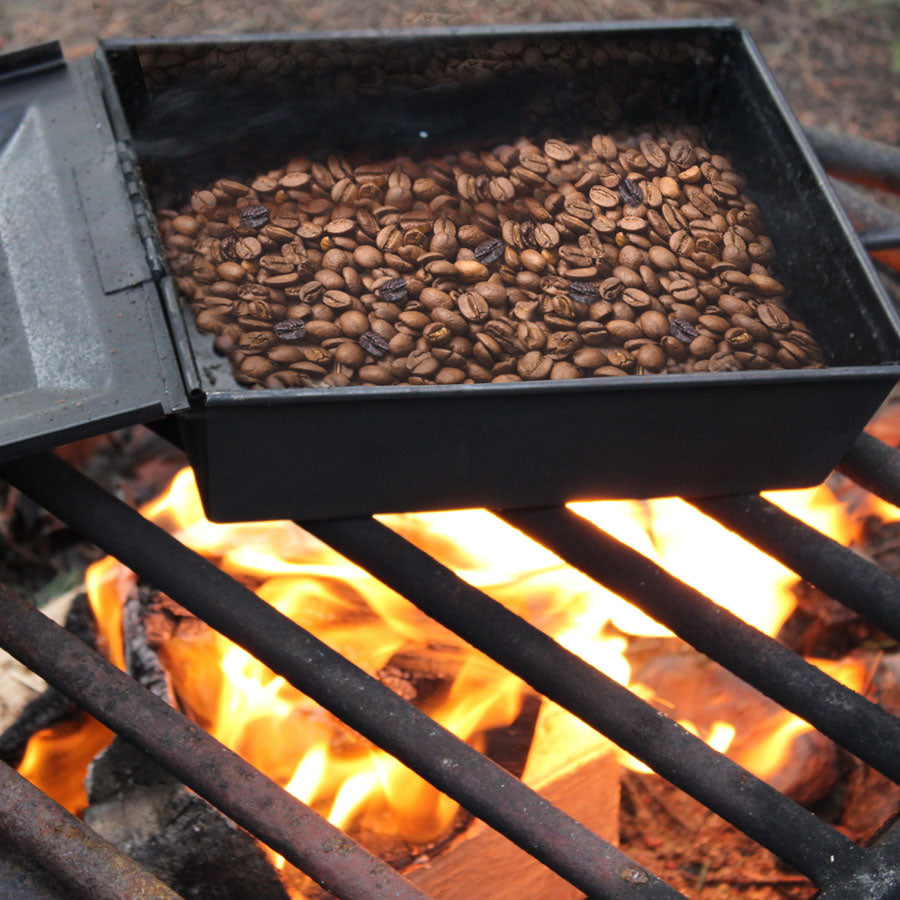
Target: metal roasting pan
180, 113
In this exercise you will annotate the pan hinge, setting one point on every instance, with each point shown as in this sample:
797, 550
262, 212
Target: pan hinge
141, 205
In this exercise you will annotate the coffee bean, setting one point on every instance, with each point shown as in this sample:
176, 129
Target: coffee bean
378, 375
583, 292
673, 347
604, 197
373, 343
489, 251
630, 192
456, 268
703, 346
662, 258
654, 324
558, 150
353, 323
290, 330
471, 270
546, 236
651, 357
739, 338
533, 366
637, 299
393, 290
578, 206
254, 217
773, 317
622, 330
683, 330
716, 324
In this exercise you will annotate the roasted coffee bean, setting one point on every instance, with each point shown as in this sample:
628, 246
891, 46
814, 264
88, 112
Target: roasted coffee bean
534, 366
622, 330
562, 344
683, 330
773, 317
631, 192
531, 335
651, 357
457, 268
473, 306
394, 290
489, 251
583, 292
378, 375
621, 359
290, 330
654, 324
374, 343
703, 346
254, 217
471, 270
353, 323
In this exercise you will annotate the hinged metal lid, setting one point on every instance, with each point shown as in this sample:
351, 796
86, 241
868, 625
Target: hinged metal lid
84, 345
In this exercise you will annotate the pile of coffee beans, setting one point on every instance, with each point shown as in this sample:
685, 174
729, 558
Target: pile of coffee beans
604, 256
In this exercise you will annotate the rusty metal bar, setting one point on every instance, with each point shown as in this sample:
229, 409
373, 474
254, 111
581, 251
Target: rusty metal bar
198, 760
505, 803
857, 159
880, 238
836, 570
855, 723
81, 859
768, 817
875, 466
878, 875
864, 212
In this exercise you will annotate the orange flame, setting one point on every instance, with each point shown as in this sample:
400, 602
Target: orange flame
287, 736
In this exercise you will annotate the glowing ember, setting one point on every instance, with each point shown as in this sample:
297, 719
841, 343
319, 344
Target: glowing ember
358, 787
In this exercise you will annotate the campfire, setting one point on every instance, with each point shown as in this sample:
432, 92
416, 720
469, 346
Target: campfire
366, 792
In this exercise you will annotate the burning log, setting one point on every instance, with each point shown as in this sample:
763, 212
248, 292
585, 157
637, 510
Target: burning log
27, 705
580, 777
174, 834
147, 813
769, 741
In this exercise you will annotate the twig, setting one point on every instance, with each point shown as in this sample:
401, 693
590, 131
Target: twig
703, 875
759, 880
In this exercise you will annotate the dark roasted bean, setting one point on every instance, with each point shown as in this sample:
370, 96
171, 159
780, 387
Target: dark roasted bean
683, 330
489, 251
630, 192
373, 343
561, 260
254, 217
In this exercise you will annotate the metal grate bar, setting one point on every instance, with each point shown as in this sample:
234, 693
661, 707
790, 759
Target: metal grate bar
66, 847
875, 466
836, 570
770, 818
854, 722
366, 705
857, 159
178, 745
876, 877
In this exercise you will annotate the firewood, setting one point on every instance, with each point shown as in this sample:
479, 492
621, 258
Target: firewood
572, 767
172, 832
27, 704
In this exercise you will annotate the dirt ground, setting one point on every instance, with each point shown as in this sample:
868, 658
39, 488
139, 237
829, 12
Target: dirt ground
838, 61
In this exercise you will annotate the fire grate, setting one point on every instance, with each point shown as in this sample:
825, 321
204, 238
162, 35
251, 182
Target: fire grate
837, 866
840, 868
